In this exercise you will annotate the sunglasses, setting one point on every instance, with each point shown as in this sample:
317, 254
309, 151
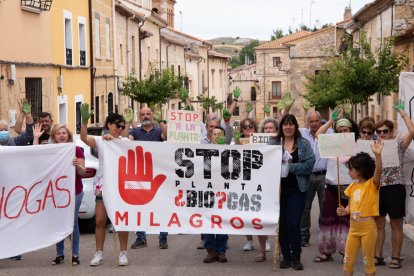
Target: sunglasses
248, 126
366, 132
120, 126
383, 131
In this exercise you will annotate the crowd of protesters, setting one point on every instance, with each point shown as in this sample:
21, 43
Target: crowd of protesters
366, 198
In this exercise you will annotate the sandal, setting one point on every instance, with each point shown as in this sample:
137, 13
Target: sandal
395, 265
379, 261
261, 257
323, 258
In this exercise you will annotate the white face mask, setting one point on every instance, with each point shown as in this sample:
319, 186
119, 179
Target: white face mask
4, 135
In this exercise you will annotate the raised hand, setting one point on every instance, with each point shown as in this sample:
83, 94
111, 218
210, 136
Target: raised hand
26, 108
266, 108
288, 100
136, 183
128, 115
37, 131
85, 114
335, 114
249, 107
281, 105
236, 134
236, 92
347, 109
226, 115
399, 105
377, 146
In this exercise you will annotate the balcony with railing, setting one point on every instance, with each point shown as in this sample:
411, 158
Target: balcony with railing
36, 5
68, 56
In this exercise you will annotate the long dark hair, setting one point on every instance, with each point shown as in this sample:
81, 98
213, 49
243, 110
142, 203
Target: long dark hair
288, 118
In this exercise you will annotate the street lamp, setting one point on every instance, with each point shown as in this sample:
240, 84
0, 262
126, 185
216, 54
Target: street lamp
279, 67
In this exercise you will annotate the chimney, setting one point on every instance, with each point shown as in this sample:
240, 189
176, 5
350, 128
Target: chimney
348, 13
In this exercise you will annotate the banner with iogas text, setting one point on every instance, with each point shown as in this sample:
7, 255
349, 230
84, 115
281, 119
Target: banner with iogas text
190, 189
37, 197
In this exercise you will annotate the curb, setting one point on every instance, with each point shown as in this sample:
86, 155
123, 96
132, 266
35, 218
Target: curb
408, 230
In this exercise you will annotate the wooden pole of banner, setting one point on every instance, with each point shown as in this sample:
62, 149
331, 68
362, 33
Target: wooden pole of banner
339, 186
276, 252
71, 251
115, 247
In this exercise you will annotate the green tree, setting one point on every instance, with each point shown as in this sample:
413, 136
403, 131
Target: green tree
278, 33
156, 90
245, 51
356, 74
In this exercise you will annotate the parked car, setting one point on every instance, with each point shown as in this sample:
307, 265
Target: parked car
87, 208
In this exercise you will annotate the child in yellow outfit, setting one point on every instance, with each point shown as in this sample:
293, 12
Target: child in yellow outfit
362, 208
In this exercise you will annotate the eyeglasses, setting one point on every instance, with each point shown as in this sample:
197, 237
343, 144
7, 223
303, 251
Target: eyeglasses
366, 132
248, 126
120, 126
383, 131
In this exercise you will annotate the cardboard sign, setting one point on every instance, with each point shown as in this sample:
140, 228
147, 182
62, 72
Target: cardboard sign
192, 189
244, 141
389, 154
336, 145
261, 138
184, 126
332, 172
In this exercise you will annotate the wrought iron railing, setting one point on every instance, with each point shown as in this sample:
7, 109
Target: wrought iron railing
68, 56
82, 58
42, 5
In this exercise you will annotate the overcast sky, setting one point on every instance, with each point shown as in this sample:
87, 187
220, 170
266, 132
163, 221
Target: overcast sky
209, 19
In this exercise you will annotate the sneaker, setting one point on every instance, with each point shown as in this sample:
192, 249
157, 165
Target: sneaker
97, 259
139, 244
285, 263
248, 246
201, 245
58, 260
211, 257
221, 257
163, 243
123, 258
75, 260
17, 258
267, 246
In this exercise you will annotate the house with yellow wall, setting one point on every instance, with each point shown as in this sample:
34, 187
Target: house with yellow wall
71, 54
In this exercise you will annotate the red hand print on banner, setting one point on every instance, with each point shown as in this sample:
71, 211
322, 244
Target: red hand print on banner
135, 177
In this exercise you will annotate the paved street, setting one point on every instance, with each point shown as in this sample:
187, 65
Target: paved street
182, 258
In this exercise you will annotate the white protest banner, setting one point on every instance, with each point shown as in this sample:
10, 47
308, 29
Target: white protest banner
389, 152
261, 138
406, 93
37, 197
184, 126
192, 189
336, 145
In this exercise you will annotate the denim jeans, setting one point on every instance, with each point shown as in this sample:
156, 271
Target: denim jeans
316, 186
142, 235
216, 242
292, 203
60, 246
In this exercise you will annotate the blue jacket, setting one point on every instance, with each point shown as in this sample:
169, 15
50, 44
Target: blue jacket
303, 168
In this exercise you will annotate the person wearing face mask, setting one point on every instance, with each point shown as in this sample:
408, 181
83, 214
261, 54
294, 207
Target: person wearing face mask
25, 137
149, 132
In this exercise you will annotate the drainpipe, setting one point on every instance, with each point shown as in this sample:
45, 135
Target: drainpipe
166, 54
185, 61
129, 52
116, 77
159, 38
91, 58
198, 75
208, 76
139, 49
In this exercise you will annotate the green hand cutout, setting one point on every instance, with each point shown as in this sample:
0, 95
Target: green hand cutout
85, 114
335, 114
26, 107
249, 107
226, 114
236, 134
288, 100
306, 105
128, 115
281, 105
236, 92
399, 105
266, 108
221, 140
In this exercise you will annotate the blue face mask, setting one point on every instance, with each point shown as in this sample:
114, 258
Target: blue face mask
4, 136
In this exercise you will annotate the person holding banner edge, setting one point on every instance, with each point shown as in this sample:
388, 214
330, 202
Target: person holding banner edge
362, 208
333, 228
116, 125
392, 192
294, 189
